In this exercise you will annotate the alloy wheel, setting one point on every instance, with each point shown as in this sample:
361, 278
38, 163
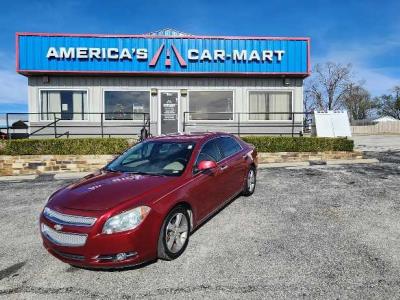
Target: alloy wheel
177, 232
251, 180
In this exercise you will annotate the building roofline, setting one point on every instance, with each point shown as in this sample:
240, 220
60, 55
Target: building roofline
133, 73
149, 36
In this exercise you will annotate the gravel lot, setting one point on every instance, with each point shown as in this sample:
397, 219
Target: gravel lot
317, 232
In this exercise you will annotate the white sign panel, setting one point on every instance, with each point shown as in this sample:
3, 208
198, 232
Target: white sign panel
332, 124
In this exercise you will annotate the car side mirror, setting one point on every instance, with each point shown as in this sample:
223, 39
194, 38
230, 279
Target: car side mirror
206, 165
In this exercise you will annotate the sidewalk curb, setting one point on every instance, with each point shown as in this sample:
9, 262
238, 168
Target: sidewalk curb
18, 178
283, 165
321, 163
72, 175
352, 161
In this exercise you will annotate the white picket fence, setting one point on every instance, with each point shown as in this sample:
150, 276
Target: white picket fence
391, 127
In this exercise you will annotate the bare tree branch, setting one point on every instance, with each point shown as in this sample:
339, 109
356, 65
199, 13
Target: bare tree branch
389, 105
327, 86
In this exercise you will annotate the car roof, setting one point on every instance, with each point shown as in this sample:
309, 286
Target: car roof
193, 136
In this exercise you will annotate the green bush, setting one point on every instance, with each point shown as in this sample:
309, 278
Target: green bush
84, 146
298, 144
60, 146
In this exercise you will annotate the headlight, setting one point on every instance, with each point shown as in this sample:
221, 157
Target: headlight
127, 220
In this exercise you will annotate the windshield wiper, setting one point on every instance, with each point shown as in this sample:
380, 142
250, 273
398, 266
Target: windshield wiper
111, 170
145, 173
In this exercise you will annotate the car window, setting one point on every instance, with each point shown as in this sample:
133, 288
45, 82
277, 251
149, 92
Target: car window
228, 146
210, 151
139, 153
154, 158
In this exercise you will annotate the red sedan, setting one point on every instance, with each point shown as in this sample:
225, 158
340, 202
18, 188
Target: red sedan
144, 204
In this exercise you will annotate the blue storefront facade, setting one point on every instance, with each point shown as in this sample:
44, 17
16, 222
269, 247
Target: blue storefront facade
174, 81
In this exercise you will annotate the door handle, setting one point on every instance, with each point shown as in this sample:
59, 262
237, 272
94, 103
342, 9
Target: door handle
223, 167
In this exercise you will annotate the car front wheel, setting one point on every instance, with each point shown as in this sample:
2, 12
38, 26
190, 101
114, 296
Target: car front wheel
251, 180
174, 235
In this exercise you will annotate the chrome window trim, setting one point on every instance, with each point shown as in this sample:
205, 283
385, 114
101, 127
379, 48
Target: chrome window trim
241, 147
220, 151
227, 157
197, 156
51, 217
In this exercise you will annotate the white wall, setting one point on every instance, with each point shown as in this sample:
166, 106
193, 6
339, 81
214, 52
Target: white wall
96, 86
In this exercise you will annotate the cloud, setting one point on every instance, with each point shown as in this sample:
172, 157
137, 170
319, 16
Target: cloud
378, 81
13, 87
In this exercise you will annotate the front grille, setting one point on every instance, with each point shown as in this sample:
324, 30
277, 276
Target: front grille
63, 219
63, 238
69, 255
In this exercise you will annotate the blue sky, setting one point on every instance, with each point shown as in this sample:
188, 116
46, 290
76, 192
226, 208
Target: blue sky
364, 33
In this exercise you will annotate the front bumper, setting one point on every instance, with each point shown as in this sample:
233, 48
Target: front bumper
105, 250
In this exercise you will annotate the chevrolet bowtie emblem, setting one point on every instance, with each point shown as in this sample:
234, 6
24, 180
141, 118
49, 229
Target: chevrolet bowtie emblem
58, 227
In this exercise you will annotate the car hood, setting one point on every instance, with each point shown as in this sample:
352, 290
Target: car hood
105, 190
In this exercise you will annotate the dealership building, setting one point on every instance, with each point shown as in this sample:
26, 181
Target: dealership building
169, 81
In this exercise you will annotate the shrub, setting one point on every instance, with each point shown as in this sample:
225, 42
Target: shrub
60, 146
299, 144
84, 146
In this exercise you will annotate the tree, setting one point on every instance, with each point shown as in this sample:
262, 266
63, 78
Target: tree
389, 105
327, 86
357, 100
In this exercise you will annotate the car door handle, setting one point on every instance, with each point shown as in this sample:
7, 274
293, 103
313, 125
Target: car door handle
223, 167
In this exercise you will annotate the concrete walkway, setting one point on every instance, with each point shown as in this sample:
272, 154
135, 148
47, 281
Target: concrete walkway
377, 143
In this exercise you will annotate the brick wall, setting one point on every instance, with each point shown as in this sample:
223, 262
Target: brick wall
39, 164
283, 157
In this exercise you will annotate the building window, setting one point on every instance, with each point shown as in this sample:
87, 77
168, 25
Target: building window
65, 105
126, 105
270, 105
211, 105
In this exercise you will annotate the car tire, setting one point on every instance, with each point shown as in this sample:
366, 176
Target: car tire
174, 234
250, 182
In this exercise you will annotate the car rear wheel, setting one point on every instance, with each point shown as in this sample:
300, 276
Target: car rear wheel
174, 235
251, 180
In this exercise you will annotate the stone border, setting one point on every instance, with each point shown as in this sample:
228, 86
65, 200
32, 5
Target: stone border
288, 157
52, 164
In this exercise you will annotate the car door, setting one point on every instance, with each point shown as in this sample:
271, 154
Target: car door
233, 165
207, 186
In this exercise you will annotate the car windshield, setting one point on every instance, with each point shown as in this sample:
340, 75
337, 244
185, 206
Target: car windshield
154, 158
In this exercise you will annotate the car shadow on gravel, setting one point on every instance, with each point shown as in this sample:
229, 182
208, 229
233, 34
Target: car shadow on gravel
208, 219
73, 269
11, 270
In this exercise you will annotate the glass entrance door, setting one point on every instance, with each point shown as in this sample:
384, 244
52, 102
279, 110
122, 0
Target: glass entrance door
169, 112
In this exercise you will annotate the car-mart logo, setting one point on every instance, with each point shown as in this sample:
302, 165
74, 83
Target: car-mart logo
141, 55
157, 55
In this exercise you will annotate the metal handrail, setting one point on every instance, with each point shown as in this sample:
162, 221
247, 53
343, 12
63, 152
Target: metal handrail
63, 134
143, 123
236, 119
54, 124
57, 122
